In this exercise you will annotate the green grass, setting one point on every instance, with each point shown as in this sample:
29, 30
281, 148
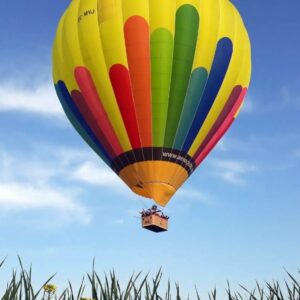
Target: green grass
138, 287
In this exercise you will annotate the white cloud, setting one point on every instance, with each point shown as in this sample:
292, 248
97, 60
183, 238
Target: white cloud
43, 181
291, 96
41, 99
222, 145
196, 194
71, 156
28, 184
21, 169
94, 174
232, 171
285, 97
248, 106
17, 196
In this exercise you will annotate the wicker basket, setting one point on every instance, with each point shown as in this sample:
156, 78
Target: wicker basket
155, 223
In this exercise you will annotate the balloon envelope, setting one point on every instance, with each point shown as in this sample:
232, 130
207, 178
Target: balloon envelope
152, 85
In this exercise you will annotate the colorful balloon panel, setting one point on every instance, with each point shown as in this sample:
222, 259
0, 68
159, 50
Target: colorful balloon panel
151, 85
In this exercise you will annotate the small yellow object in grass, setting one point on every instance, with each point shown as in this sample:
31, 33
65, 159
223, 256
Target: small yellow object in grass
50, 288
86, 299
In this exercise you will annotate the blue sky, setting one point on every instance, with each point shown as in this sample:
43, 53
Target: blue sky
237, 218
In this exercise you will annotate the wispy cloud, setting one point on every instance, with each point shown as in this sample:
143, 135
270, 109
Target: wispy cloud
291, 95
17, 197
233, 171
28, 185
222, 146
285, 97
53, 180
196, 195
248, 106
18, 168
94, 174
41, 99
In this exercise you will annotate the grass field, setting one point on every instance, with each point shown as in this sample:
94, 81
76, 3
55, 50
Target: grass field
139, 287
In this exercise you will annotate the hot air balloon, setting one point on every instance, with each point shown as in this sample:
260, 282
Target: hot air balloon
152, 85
